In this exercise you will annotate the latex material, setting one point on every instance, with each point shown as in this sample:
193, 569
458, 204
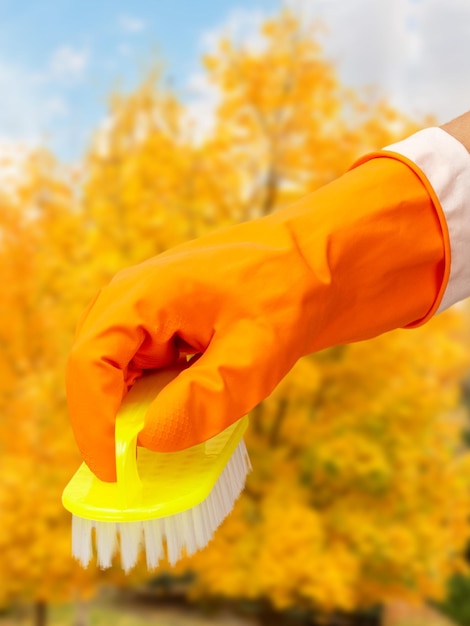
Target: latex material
150, 485
361, 256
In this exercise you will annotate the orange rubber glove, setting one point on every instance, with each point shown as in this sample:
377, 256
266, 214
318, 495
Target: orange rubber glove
363, 255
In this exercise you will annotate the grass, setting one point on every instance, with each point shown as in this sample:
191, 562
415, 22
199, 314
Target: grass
114, 613
108, 615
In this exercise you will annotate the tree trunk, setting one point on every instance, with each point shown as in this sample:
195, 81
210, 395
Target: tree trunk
40, 613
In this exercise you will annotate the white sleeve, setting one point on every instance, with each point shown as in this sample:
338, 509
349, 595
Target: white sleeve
446, 164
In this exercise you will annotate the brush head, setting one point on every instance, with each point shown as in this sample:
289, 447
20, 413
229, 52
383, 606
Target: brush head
172, 499
170, 536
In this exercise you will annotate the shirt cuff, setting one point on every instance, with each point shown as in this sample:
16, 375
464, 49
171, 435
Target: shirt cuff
445, 163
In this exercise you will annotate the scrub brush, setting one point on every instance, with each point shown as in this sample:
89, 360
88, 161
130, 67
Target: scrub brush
160, 499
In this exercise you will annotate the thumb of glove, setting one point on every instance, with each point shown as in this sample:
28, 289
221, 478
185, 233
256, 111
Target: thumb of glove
237, 371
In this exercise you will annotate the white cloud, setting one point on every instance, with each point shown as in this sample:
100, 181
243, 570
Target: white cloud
22, 115
68, 63
241, 26
56, 106
202, 100
131, 24
33, 106
124, 50
30, 110
415, 51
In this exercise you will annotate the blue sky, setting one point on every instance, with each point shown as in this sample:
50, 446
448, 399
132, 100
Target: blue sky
60, 59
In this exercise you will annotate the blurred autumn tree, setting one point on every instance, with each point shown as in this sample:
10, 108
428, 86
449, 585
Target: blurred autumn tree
45, 282
360, 488
38, 231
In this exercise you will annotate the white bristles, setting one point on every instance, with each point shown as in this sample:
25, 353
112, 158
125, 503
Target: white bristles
105, 543
191, 545
173, 544
131, 539
81, 539
153, 541
187, 531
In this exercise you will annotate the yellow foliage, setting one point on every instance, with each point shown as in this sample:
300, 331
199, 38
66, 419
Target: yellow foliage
360, 489
372, 503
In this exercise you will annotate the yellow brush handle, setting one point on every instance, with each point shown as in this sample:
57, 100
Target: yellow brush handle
129, 422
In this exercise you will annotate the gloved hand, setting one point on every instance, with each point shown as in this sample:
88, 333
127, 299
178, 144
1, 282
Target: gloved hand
361, 256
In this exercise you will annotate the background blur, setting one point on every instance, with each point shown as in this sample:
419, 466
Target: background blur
126, 128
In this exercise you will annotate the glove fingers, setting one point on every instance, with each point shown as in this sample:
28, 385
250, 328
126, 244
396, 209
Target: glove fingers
118, 337
108, 355
235, 373
95, 388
